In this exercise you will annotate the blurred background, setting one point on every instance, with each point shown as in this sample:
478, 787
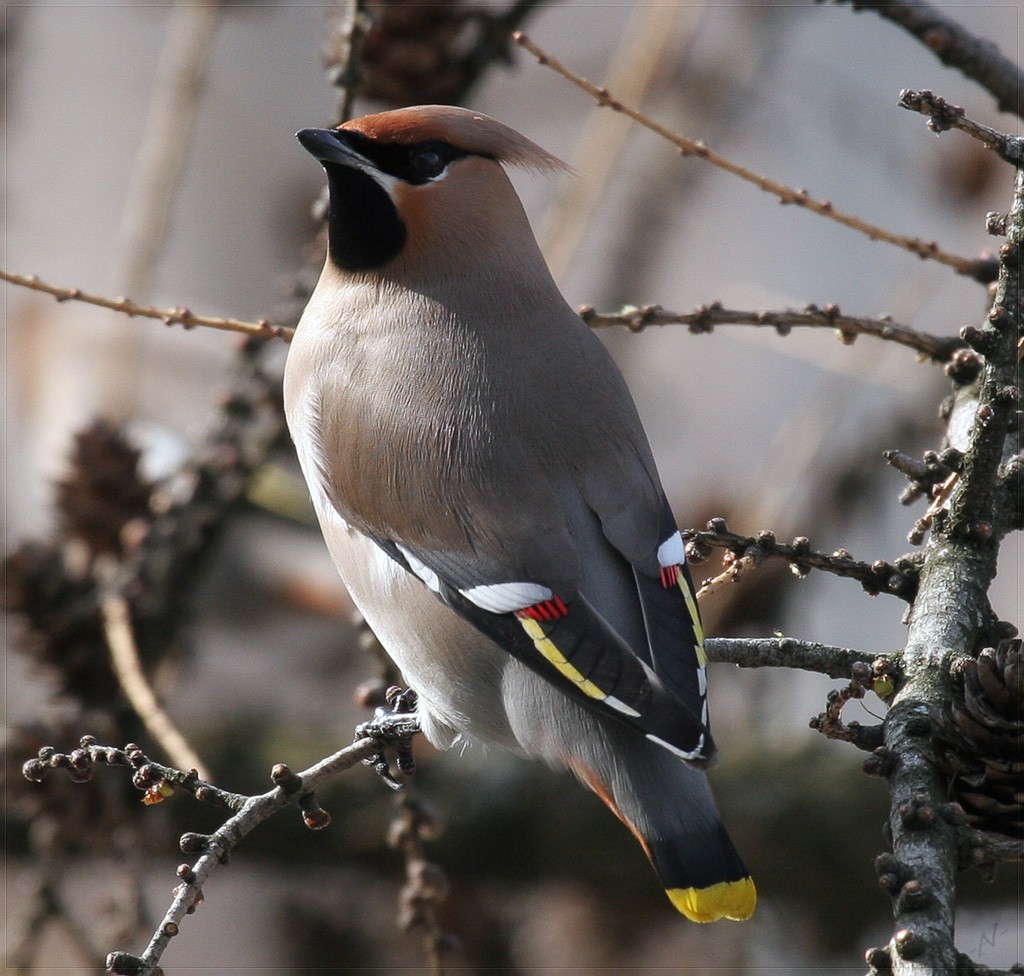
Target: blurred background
260, 659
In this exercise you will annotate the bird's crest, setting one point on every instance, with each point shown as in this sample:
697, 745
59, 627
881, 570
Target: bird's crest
469, 131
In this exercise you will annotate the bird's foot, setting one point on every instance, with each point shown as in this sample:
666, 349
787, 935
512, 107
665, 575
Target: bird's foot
393, 728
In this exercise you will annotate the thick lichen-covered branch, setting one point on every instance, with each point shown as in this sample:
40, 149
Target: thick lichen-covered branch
949, 620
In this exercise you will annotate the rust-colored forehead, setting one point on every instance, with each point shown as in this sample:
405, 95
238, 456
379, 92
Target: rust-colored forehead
469, 131
420, 124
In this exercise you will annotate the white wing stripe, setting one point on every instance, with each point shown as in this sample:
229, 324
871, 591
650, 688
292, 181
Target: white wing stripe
672, 552
506, 597
422, 570
697, 753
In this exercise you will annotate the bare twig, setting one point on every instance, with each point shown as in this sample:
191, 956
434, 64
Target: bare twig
731, 574
124, 655
248, 812
925, 476
787, 195
156, 178
925, 522
899, 578
702, 319
788, 652
182, 316
944, 116
598, 150
955, 46
830, 722
979, 849
705, 318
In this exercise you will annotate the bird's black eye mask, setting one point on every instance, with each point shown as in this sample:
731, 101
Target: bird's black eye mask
365, 229
416, 163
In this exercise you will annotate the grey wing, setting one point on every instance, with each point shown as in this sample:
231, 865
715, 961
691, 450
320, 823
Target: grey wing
602, 642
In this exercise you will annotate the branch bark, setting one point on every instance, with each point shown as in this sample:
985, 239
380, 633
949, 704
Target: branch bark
949, 618
787, 652
977, 58
124, 655
898, 578
704, 318
785, 194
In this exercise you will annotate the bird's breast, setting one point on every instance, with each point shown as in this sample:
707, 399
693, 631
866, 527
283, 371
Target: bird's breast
394, 410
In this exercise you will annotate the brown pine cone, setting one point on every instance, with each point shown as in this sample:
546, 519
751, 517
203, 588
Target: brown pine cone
410, 54
102, 509
982, 741
102, 491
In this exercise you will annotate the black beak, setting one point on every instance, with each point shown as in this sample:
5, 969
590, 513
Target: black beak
330, 146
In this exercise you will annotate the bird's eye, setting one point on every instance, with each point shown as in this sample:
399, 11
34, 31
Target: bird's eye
428, 163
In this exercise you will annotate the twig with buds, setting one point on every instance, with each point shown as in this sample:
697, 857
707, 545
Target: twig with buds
788, 652
899, 578
159, 782
182, 316
830, 722
705, 318
944, 115
979, 270
702, 319
955, 46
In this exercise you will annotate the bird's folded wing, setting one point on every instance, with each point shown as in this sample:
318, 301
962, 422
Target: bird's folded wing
672, 621
566, 640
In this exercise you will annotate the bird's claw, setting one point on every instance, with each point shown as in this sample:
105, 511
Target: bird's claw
392, 728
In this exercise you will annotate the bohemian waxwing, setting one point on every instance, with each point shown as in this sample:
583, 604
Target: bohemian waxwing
487, 491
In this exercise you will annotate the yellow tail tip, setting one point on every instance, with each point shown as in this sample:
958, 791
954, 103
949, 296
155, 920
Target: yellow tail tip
727, 899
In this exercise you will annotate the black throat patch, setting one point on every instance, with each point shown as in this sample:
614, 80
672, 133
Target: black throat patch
364, 230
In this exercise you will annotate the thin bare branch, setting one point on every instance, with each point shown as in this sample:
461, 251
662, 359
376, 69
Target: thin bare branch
944, 116
705, 318
731, 574
124, 655
248, 812
924, 523
830, 722
702, 319
155, 183
598, 151
787, 195
182, 316
955, 46
898, 579
788, 652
